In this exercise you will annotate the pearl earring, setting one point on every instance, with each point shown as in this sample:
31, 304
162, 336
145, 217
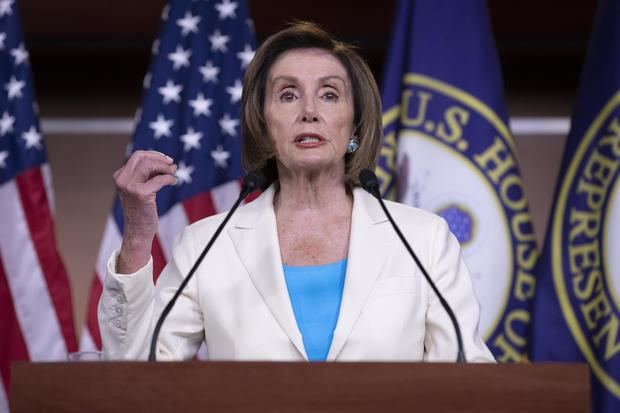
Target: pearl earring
354, 143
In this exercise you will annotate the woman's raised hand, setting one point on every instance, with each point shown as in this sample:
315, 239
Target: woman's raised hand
138, 182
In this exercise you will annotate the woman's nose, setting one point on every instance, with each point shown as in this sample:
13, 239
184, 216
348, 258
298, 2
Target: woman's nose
309, 118
309, 113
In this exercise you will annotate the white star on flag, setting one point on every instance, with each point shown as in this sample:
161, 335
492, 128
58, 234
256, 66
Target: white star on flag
6, 123
14, 87
171, 92
5, 7
188, 24
246, 56
226, 9
235, 91
220, 156
184, 173
20, 54
201, 105
2, 39
218, 41
32, 138
209, 72
3, 156
191, 139
228, 125
180, 58
161, 127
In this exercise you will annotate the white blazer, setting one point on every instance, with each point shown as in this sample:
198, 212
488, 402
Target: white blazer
238, 303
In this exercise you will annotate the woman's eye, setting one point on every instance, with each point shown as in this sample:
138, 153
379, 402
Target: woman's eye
331, 96
287, 96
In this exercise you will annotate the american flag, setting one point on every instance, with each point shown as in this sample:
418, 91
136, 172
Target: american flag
190, 112
36, 316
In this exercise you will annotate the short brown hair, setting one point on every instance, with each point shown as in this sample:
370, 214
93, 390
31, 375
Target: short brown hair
258, 153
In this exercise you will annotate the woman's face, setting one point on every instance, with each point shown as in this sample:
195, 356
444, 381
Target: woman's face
309, 111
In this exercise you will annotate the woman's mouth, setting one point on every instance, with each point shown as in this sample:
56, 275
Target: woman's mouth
308, 139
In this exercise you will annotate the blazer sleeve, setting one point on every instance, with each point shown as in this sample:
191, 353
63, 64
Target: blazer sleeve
453, 280
130, 305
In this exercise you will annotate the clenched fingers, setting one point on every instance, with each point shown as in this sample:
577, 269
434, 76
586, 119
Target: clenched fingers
142, 167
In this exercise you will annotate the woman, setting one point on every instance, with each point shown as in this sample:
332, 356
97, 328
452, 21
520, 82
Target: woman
312, 269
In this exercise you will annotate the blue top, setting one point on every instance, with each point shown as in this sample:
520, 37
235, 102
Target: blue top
316, 292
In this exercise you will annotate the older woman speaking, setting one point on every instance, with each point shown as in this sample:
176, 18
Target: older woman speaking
310, 270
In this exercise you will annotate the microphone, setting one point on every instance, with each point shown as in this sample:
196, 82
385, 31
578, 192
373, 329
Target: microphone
370, 183
251, 181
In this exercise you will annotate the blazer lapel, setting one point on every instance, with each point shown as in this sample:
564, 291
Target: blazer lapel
255, 238
369, 248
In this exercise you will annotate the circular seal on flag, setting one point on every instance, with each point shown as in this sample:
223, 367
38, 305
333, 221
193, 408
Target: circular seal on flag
585, 240
455, 157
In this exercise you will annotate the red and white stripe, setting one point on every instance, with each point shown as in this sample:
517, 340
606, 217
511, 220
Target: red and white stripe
35, 298
219, 199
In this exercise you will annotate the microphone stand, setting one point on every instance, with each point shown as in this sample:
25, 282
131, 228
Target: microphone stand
369, 182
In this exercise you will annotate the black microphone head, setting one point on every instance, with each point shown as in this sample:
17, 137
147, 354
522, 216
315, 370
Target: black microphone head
253, 180
369, 181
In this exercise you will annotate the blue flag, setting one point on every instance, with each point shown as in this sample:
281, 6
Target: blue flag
448, 149
577, 305
191, 112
